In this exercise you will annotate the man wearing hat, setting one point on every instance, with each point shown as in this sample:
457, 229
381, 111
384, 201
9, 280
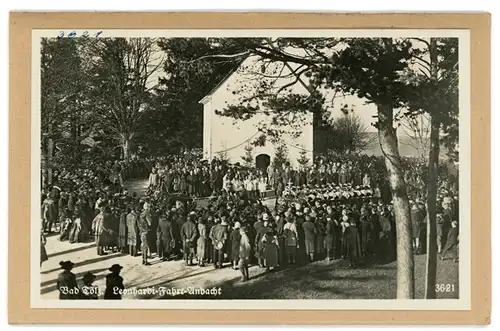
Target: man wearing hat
258, 244
189, 232
145, 222
218, 235
89, 291
451, 242
164, 237
114, 283
309, 236
66, 282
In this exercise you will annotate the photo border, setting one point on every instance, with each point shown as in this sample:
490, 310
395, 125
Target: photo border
21, 25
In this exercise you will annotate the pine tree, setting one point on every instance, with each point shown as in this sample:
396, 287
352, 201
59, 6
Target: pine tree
248, 157
303, 160
280, 156
222, 154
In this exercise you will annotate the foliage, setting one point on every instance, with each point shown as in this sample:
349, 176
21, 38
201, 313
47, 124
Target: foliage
123, 79
65, 112
436, 96
248, 157
222, 155
176, 120
280, 156
303, 160
417, 129
346, 134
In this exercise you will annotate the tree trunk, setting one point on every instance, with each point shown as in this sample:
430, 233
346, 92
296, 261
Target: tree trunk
389, 145
50, 154
432, 187
126, 147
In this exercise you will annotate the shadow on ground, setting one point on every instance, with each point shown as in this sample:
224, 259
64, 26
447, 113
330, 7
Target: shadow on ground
323, 280
51, 285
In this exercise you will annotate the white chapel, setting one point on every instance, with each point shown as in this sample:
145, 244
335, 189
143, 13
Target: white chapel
229, 136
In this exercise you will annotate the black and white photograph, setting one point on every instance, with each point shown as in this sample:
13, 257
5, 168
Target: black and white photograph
321, 169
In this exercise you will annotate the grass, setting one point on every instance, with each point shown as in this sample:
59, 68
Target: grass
323, 280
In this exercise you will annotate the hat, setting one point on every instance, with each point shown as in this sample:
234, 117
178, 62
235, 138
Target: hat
115, 267
88, 276
237, 225
66, 265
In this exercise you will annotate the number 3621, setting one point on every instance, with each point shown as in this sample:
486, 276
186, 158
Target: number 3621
445, 288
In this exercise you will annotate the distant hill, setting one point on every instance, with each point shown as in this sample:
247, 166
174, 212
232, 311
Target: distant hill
404, 147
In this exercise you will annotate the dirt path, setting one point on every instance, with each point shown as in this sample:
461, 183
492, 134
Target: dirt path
173, 274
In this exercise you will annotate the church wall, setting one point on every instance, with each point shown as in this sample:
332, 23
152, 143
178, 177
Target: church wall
231, 136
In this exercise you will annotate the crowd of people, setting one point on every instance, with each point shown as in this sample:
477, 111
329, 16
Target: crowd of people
329, 211
200, 178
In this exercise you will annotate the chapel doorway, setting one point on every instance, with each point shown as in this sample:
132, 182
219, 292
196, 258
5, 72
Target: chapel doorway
262, 161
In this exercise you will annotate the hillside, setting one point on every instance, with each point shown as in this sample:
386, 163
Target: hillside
405, 148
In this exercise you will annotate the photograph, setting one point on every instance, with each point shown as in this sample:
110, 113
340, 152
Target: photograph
251, 169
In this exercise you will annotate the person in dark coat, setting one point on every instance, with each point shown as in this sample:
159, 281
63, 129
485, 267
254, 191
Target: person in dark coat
114, 283
89, 291
66, 282
258, 244
320, 236
218, 235
375, 233
164, 238
451, 242
309, 236
439, 231
132, 230
330, 238
415, 222
366, 233
352, 244
43, 252
235, 244
387, 254
122, 232
271, 249
189, 232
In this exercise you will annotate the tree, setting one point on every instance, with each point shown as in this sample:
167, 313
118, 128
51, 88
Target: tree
280, 156
222, 154
123, 76
66, 118
248, 157
366, 67
303, 160
346, 134
434, 91
176, 118
417, 130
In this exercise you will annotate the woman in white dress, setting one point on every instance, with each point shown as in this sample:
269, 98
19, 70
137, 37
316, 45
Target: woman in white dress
262, 186
237, 183
227, 183
249, 186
